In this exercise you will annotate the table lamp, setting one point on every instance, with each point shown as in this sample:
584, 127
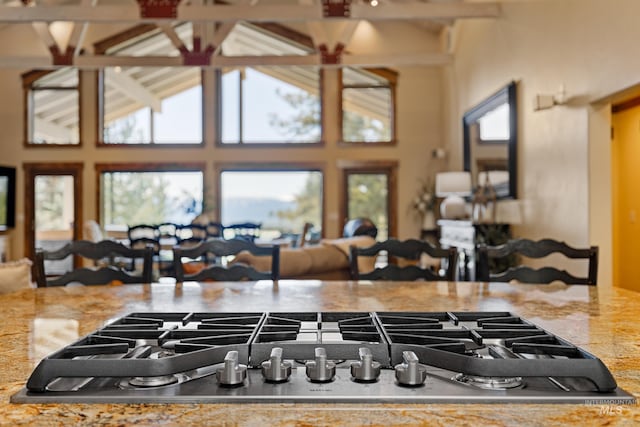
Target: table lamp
453, 186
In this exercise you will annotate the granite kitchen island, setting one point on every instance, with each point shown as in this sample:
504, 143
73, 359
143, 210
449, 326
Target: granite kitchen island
37, 322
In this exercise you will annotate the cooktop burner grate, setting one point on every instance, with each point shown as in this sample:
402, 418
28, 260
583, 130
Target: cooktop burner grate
321, 356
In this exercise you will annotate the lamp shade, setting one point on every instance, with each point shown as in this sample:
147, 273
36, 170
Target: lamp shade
453, 184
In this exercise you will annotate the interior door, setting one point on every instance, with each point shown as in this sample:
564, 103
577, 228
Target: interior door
53, 214
625, 152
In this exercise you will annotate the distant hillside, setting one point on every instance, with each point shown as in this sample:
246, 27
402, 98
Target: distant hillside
255, 210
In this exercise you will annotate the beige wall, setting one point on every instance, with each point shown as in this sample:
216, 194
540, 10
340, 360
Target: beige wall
589, 47
419, 123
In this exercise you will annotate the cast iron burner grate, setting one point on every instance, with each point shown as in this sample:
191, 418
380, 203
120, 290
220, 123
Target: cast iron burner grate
322, 356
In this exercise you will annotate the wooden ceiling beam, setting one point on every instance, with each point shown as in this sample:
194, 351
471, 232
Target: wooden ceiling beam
257, 13
102, 61
79, 31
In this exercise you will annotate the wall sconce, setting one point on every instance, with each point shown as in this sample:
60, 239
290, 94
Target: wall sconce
544, 102
439, 153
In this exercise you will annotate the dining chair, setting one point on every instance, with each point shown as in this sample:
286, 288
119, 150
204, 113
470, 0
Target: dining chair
142, 235
249, 231
403, 261
222, 268
108, 258
167, 233
190, 234
536, 249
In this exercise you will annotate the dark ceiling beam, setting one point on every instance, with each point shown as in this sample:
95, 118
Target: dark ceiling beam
101, 61
257, 13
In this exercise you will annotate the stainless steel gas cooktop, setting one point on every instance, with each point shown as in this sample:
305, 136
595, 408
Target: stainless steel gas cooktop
412, 357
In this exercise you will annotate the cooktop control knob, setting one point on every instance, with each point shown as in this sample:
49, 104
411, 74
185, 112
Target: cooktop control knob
367, 369
232, 373
321, 370
274, 369
410, 372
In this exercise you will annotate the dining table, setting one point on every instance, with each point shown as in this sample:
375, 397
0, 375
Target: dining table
36, 322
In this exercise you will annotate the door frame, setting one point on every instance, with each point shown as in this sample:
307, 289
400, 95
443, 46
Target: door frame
31, 170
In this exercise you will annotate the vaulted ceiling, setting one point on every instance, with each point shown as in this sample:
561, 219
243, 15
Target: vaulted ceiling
331, 25
169, 40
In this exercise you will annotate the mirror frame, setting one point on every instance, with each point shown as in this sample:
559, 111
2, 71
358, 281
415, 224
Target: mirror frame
505, 95
10, 174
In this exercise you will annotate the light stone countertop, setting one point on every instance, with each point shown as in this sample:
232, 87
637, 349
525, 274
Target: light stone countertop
35, 323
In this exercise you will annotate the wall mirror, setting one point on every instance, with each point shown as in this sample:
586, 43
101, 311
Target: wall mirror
7, 197
490, 142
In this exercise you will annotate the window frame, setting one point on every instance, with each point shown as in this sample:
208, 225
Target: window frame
219, 168
29, 79
392, 78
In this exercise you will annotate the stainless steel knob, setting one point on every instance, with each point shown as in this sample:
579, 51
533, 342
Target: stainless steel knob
320, 370
232, 373
410, 372
367, 369
274, 369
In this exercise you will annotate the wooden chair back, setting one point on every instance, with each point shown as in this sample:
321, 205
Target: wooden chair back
245, 230
142, 235
410, 253
215, 249
110, 271
191, 234
167, 234
536, 249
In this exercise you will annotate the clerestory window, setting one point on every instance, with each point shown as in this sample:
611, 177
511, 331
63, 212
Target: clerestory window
368, 105
52, 100
151, 105
268, 104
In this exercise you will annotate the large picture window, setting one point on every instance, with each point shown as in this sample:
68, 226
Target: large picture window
53, 107
281, 200
367, 105
131, 197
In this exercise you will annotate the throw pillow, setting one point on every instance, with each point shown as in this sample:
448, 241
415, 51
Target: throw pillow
15, 275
